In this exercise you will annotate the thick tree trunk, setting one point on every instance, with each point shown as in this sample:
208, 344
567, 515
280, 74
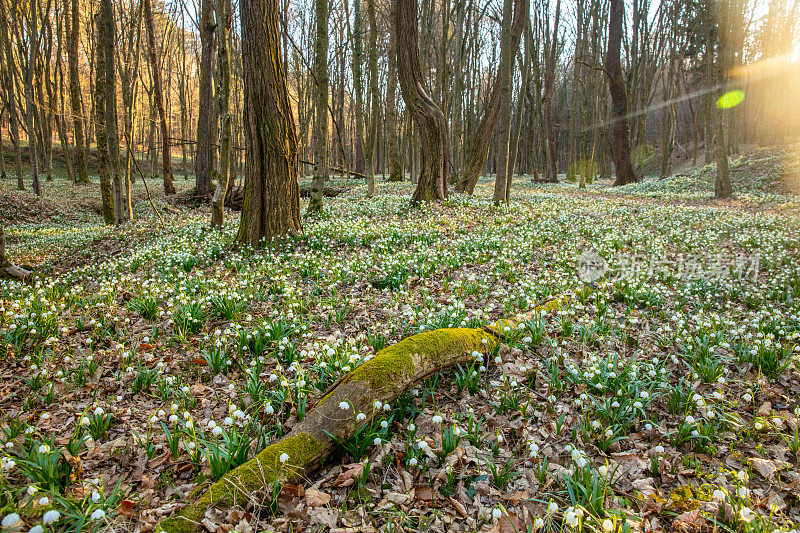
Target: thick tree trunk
358, 77
204, 158
479, 150
722, 181
372, 137
158, 96
101, 112
549, 89
224, 14
320, 93
30, 110
271, 208
507, 57
430, 122
392, 147
620, 142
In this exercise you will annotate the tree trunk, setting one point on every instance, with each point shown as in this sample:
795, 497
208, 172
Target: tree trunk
430, 122
369, 156
30, 96
271, 207
358, 76
9, 83
549, 89
393, 153
204, 158
8, 270
507, 57
224, 14
320, 134
722, 182
620, 143
483, 137
101, 112
169, 187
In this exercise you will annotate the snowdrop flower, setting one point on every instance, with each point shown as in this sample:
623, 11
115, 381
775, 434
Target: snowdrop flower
413, 461
437, 419
384, 424
51, 516
284, 457
98, 514
360, 417
552, 507
571, 517
344, 406
44, 448
496, 512
422, 445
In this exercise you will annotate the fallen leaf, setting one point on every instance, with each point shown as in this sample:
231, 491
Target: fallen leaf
423, 493
317, 498
765, 467
126, 508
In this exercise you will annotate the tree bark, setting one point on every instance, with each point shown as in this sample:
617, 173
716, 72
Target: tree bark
320, 92
158, 96
620, 142
430, 122
30, 110
101, 112
549, 89
507, 57
9, 82
392, 147
7, 269
483, 137
224, 14
271, 207
204, 158
718, 35
369, 156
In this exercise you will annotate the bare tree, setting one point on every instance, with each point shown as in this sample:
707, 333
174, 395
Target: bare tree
620, 142
320, 134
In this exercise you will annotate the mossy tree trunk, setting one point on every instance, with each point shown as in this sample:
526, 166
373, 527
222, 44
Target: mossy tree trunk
271, 207
392, 372
428, 118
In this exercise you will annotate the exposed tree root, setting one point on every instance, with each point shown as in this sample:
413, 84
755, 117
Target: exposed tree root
393, 371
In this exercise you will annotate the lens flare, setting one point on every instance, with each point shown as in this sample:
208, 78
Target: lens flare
730, 99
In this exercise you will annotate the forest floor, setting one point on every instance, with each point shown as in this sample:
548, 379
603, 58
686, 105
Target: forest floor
146, 361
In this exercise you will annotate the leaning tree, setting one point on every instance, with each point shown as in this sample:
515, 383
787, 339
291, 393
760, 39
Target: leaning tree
426, 115
271, 207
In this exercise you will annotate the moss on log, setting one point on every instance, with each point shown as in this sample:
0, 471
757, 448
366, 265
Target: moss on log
393, 371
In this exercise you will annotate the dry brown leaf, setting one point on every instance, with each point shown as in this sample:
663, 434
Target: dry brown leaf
317, 498
348, 475
126, 508
424, 493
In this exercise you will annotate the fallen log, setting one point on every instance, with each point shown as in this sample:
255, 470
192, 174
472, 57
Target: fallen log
392, 372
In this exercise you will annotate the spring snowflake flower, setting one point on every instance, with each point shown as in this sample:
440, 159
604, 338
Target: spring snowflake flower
51, 516
10, 520
552, 507
361, 417
413, 461
608, 525
284, 457
496, 512
44, 448
437, 419
344, 406
747, 514
98, 514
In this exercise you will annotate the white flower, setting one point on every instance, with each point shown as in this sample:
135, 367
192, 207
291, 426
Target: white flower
746, 514
437, 419
378, 405
44, 448
51, 516
360, 417
742, 476
376, 441
98, 514
497, 513
422, 445
269, 409
344, 406
571, 517
44, 500
608, 525
284, 457
552, 508
413, 461
36, 529
11, 520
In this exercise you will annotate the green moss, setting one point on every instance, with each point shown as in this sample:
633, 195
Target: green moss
397, 360
255, 475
